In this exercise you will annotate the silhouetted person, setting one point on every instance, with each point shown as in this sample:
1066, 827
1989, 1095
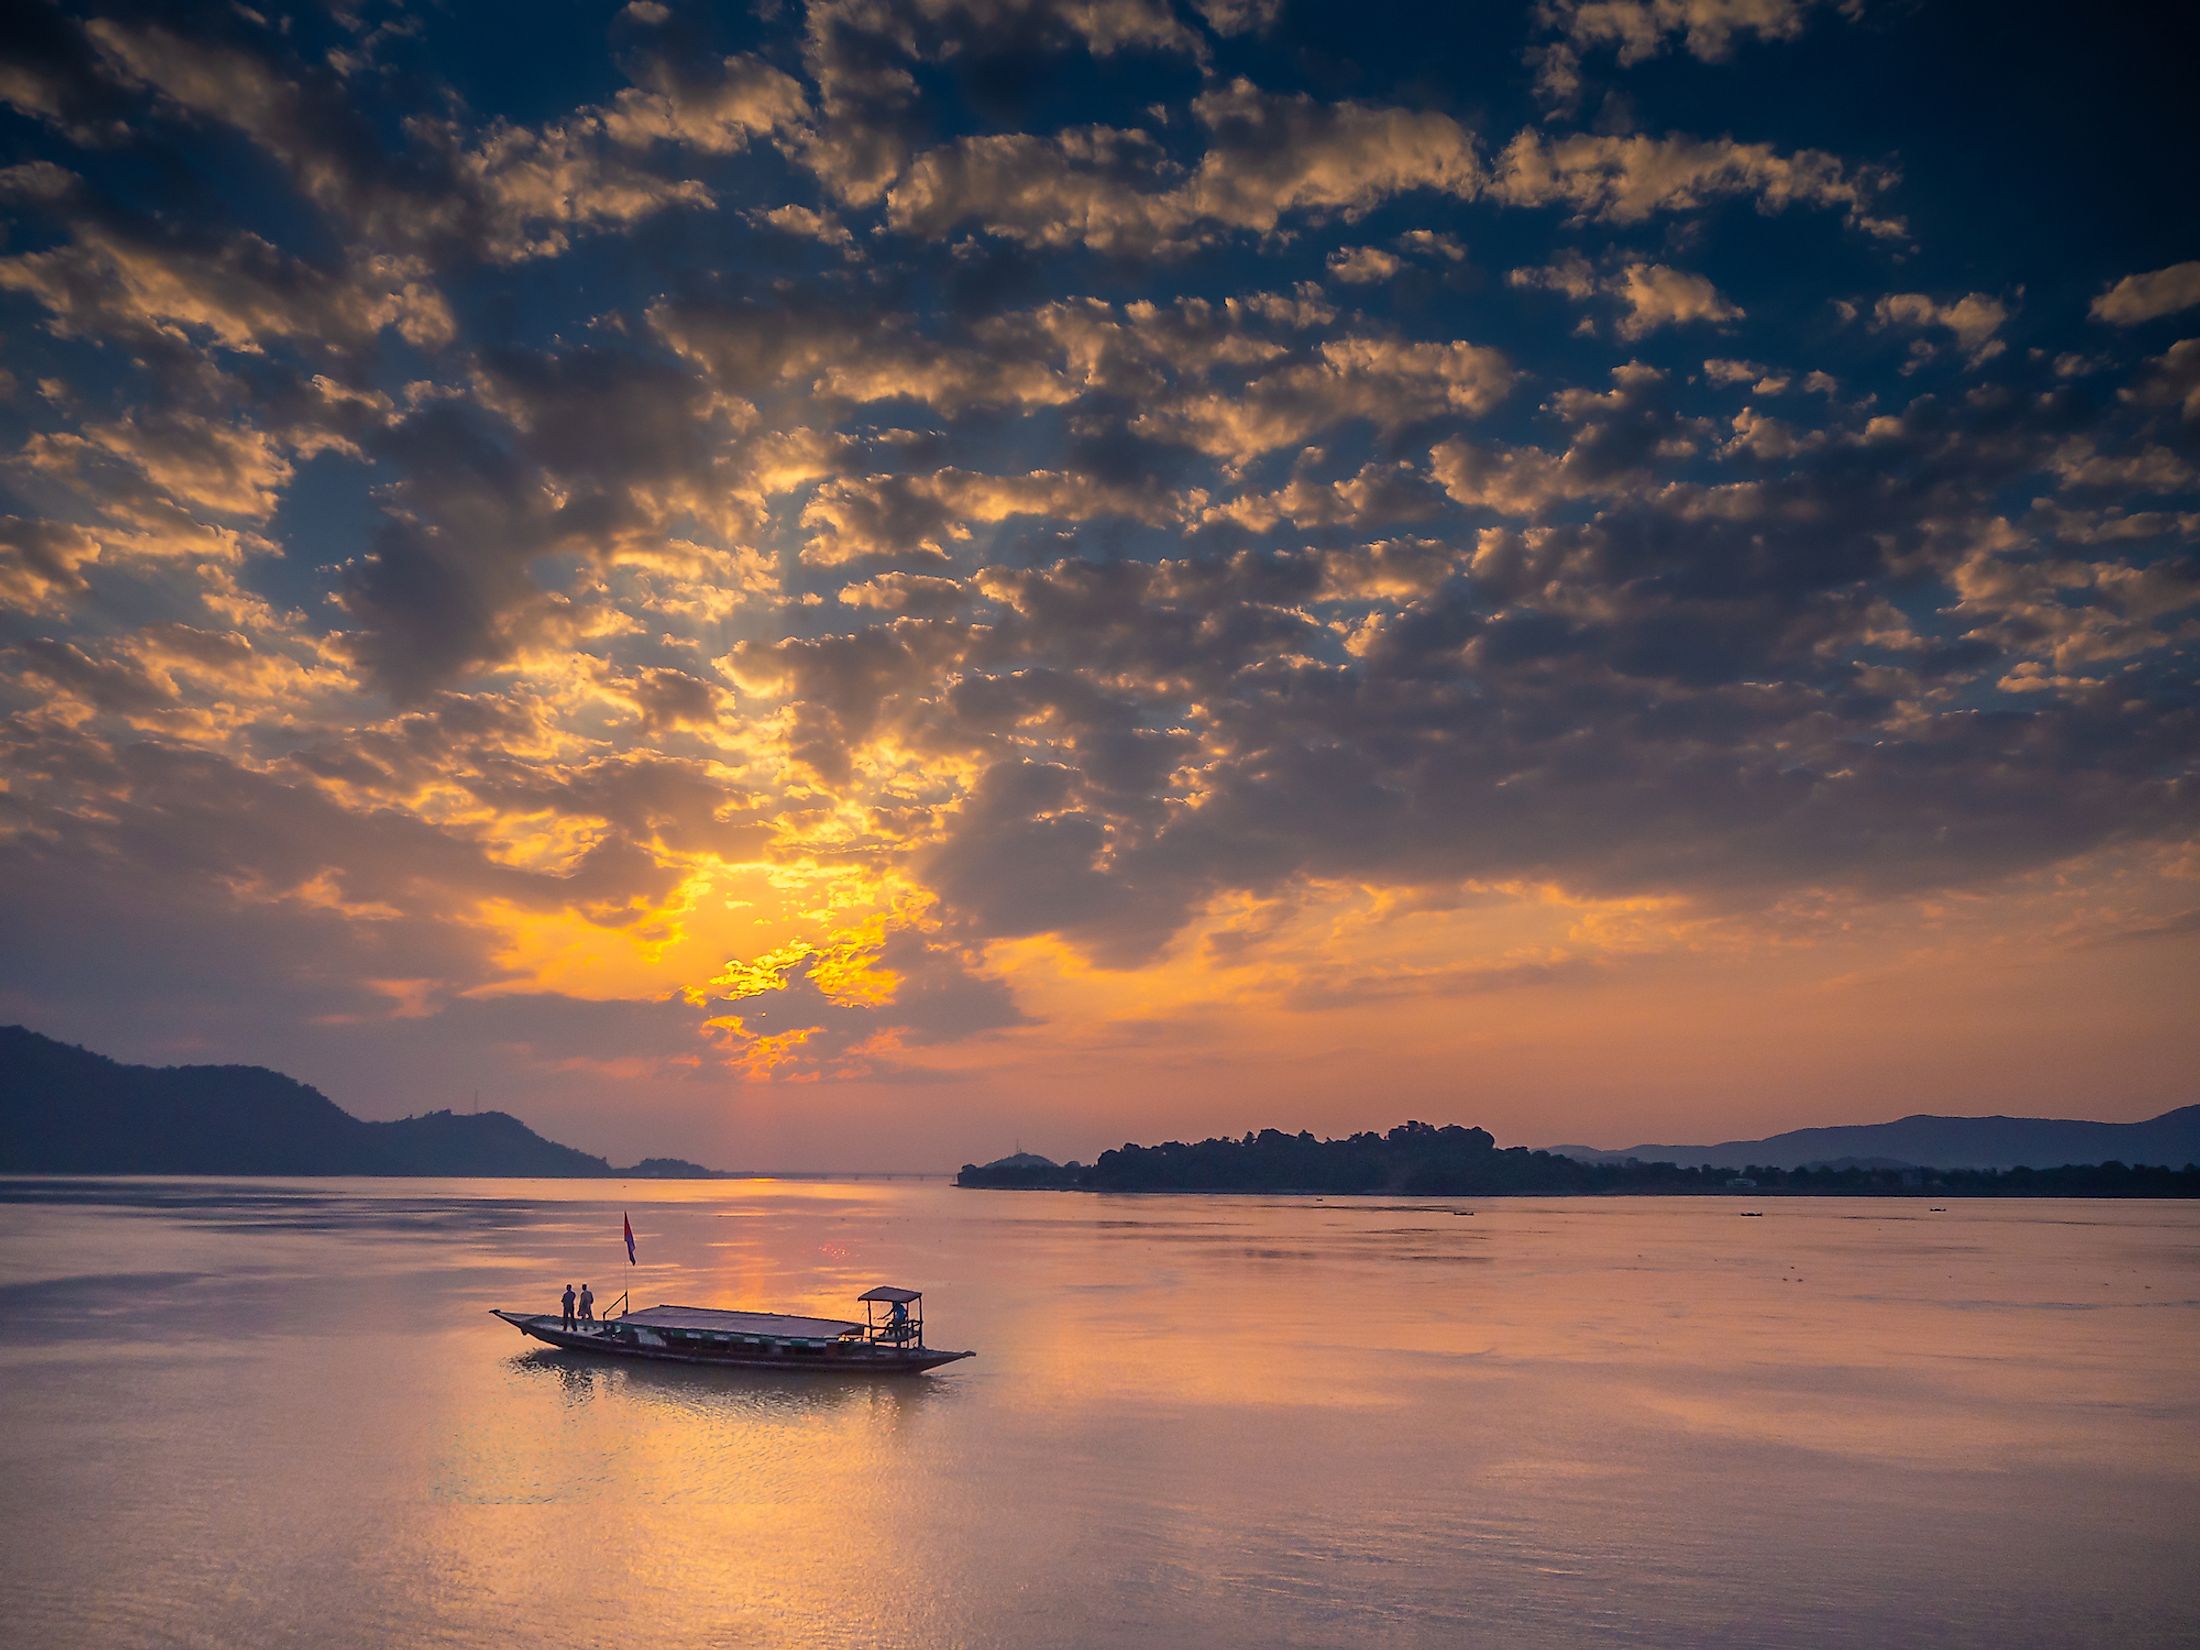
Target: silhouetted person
588, 1304
899, 1319
569, 1306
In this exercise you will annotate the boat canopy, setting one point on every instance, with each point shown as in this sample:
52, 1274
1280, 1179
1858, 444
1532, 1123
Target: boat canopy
711, 1320
887, 1292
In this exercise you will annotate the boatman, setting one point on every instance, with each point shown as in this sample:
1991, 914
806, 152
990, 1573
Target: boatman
588, 1304
569, 1308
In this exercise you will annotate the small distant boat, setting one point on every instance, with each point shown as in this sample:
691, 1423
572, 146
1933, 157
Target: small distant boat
888, 1342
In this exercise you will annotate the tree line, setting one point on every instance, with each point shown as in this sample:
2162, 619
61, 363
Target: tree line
1424, 1159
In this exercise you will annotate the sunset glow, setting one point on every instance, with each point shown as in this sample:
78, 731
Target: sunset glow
858, 584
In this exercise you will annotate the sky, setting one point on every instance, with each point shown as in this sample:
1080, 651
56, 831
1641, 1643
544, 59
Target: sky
860, 584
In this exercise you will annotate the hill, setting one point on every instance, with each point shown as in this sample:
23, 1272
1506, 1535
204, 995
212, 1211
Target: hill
676, 1168
1021, 1170
1939, 1143
65, 1110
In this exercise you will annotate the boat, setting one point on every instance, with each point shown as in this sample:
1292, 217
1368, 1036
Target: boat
889, 1341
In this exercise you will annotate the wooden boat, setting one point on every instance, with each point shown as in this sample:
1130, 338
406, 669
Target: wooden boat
889, 1342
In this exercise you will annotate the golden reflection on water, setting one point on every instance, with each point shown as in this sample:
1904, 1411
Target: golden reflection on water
283, 1415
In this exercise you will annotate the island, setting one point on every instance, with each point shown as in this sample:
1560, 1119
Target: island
676, 1168
1419, 1159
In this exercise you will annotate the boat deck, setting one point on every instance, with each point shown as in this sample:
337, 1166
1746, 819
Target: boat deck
705, 1335
712, 1320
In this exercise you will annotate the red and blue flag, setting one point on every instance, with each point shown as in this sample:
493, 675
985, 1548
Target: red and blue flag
629, 1225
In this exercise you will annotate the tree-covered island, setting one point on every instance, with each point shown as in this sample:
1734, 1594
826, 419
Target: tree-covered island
1424, 1160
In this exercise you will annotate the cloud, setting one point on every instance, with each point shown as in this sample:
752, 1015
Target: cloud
785, 563
859, 1006
1228, 17
1657, 296
1637, 30
51, 73
1725, 370
304, 121
718, 111
992, 374
923, 595
1376, 496
511, 191
2057, 616
2137, 299
536, 187
802, 220
1617, 438
115, 279
1269, 156
666, 699
445, 585
939, 30
593, 454
1628, 178
524, 191
1654, 295
2133, 471
1302, 801
1432, 243
922, 517
1973, 320
38, 182
840, 691
2171, 379
226, 467
43, 561
1361, 265
860, 56
1387, 382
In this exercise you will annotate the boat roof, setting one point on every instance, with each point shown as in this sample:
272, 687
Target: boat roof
887, 1292
776, 1324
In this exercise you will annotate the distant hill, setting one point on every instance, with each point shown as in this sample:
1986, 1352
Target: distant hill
675, 1168
1939, 1143
65, 1110
1021, 1170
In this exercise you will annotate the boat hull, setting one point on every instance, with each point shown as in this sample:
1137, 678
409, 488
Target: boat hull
609, 1339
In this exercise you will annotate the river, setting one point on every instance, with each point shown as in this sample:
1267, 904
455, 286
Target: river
278, 1413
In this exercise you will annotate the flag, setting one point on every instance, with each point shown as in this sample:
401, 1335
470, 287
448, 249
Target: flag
629, 1225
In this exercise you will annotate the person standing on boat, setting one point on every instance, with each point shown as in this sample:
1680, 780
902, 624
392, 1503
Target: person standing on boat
569, 1306
588, 1304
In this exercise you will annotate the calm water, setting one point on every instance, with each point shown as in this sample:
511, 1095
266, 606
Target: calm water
274, 1413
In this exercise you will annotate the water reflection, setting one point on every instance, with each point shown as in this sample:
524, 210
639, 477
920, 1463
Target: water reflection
279, 1414
695, 1390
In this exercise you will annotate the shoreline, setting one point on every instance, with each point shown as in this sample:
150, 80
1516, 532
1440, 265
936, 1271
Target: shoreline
1745, 1194
7, 1175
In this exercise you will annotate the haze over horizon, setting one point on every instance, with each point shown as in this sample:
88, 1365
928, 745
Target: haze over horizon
836, 588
